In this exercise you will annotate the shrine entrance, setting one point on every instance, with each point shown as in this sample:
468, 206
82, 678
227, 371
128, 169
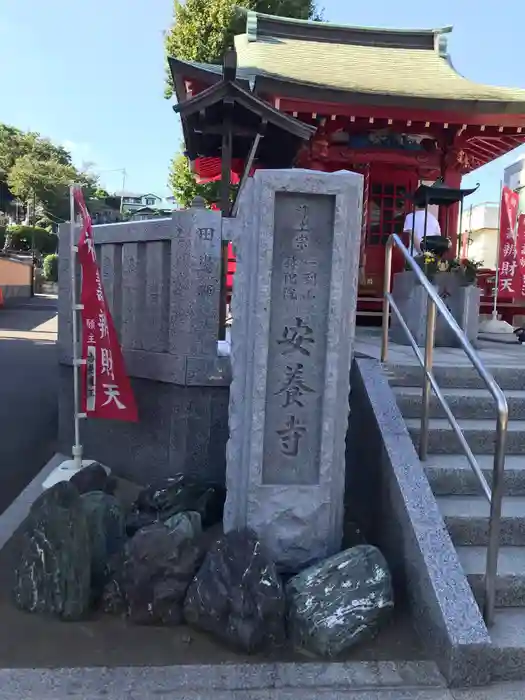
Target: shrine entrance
388, 204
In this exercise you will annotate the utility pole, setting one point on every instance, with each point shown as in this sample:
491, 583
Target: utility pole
122, 193
33, 221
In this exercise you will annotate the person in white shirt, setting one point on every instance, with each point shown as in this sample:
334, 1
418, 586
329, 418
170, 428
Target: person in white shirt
417, 220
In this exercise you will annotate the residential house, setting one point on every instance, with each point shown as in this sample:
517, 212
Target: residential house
132, 201
149, 213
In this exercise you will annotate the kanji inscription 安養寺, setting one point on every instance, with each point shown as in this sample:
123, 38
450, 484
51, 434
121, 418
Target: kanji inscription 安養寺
300, 290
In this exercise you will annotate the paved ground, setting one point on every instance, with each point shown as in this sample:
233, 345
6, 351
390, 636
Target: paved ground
492, 354
28, 392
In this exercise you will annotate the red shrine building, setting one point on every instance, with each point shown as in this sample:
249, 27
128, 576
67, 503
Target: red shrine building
386, 103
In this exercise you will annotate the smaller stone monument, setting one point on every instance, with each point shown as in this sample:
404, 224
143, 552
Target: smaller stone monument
295, 292
463, 302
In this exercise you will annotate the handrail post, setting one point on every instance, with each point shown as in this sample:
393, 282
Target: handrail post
494, 494
386, 298
498, 476
427, 387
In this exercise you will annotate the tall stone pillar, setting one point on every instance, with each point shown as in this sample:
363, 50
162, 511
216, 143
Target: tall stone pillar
294, 302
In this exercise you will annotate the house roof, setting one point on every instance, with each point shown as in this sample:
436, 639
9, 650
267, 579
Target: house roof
136, 194
407, 66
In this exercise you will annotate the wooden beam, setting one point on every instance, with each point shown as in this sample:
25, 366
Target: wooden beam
218, 130
422, 114
226, 157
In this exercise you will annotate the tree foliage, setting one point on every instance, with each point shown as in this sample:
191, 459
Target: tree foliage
185, 189
38, 172
204, 29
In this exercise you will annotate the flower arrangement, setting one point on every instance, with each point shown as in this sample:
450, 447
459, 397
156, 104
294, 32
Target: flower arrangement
467, 269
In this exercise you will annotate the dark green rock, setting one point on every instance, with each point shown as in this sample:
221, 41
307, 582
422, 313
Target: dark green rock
237, 594
340, 602
167, 497
93, 478
106, 524
159, 565
186, 524
53, 574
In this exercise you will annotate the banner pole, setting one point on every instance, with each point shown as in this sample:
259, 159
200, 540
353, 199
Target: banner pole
77, 447
496, 284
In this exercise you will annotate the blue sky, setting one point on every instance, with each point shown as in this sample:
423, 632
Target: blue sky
90, 74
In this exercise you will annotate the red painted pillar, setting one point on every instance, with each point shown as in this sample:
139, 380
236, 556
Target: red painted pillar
452, 179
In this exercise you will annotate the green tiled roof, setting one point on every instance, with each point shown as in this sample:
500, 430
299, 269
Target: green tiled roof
376, 70
412, 63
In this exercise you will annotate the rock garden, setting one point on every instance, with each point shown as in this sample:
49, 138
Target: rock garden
109, 563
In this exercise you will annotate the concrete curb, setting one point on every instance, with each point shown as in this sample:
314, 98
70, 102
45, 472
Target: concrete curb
254, 681
384, 469
13, 517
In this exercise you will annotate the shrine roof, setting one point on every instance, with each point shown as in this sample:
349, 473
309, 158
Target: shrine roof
358, 64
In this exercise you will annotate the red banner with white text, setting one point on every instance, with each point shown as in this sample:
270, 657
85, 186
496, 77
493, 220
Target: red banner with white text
519, 279
507, 259
106, 389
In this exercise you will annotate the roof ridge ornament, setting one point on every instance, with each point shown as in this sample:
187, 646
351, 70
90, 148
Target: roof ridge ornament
441, 42
251, 25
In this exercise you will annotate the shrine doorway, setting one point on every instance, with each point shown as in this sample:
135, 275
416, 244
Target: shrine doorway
388, 204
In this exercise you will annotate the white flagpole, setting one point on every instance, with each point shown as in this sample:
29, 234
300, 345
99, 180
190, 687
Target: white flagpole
77, 447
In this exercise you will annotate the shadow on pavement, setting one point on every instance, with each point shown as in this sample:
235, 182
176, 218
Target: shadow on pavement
26, 314
28, 393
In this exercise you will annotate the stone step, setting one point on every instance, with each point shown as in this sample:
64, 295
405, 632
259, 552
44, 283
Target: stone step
452, 474
464, 403
467, 520
510, 585
480, 435
508, 639
457, 376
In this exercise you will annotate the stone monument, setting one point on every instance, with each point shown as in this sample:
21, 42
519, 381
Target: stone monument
295, 292
462, 301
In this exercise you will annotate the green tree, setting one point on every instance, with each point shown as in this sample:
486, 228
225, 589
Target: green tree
202, 31
38, 173
185, 189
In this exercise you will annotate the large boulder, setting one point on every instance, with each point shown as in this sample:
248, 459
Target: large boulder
159, 565
167, 497
53, 574
237, 595
106, 525
340, 602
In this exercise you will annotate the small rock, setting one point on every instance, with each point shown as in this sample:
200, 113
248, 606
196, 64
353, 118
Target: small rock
107, 532
188, 524
340, 602
237, 595
159, 566
93, 478
168, 497
53, 574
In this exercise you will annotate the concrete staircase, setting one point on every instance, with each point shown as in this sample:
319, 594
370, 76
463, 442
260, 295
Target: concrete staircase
463, 506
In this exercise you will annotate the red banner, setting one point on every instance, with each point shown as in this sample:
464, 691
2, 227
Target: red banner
519, 280
106, 389
507, 259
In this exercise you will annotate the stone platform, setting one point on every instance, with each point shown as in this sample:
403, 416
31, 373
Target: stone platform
492, 354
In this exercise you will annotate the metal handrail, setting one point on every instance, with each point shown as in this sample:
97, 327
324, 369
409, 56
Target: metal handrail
493, 494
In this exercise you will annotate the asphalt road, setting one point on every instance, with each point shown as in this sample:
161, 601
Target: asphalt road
28, 392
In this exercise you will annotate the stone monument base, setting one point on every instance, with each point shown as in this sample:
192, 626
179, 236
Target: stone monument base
181, 429
412, 299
